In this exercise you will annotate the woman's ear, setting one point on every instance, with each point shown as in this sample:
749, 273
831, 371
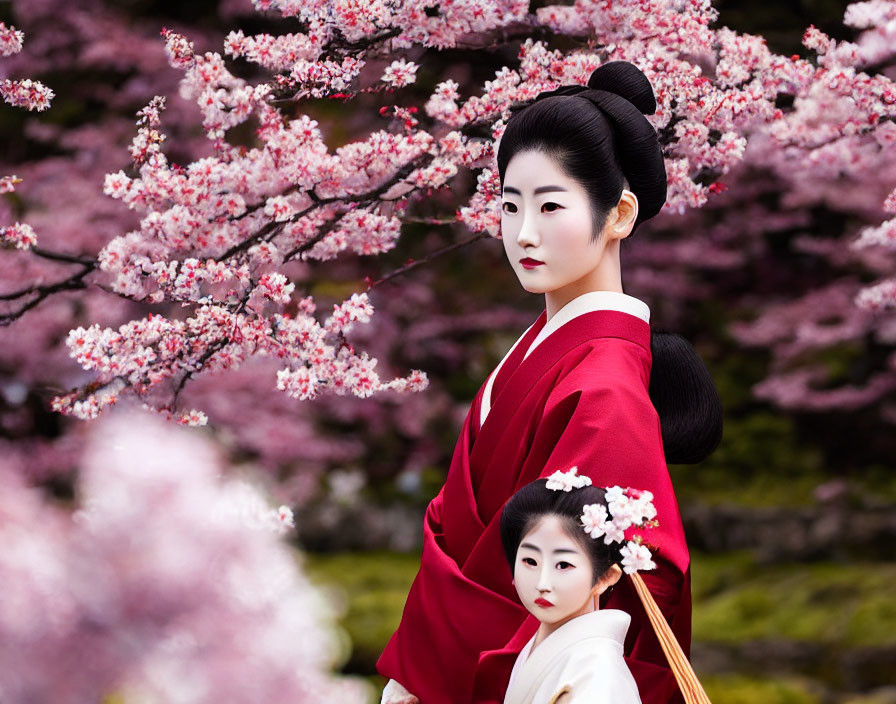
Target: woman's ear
624, 215
607, 580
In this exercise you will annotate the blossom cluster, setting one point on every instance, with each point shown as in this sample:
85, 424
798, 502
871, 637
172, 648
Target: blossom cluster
567, 481
624, 509
31, 95
875, 44
881, 295
8, 184
144, 354
400, 73
20, 235
10, 40
28, 94
415, 21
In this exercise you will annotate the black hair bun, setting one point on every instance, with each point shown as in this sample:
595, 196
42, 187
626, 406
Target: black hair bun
627, 81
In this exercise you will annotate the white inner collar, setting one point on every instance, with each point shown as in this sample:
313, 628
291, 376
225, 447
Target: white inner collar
586, 303
591, 301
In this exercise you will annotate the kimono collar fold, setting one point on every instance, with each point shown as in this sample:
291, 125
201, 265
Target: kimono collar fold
605, 623
591, 301
611, 624
586, 303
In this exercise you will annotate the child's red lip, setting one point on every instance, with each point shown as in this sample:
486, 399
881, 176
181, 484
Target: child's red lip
543, 602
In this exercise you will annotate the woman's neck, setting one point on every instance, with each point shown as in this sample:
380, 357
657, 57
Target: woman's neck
607, 276
555, 300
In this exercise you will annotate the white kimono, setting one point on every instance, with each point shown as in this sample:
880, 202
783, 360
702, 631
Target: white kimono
579, 663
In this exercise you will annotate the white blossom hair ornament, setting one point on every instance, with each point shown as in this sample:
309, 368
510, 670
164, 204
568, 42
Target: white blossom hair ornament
625, 508
567, 481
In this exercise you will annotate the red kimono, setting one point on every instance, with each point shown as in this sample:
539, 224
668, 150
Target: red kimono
579, 399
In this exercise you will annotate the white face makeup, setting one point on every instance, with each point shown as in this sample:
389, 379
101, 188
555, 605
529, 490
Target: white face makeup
547, 228
546, 217
553, 574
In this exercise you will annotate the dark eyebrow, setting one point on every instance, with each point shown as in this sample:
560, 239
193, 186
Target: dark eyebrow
537, 191
532, 547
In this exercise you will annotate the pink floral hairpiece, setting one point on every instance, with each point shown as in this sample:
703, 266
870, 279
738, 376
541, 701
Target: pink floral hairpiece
625, 508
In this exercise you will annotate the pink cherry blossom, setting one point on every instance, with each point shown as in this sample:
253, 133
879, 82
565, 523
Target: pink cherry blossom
19, 235
10, 40
223, 244
567, 481
400, 73
8, 183
636, 557
28, 94
594, 519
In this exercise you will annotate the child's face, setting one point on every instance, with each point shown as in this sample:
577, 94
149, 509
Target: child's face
553, 574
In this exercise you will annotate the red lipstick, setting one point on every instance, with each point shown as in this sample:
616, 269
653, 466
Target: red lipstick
543, 602
530, 263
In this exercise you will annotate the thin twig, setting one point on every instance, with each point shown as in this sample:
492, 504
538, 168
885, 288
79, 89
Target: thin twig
74, 282
413, 263
61, 257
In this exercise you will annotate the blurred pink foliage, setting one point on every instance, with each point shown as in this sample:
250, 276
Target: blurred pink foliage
164, 585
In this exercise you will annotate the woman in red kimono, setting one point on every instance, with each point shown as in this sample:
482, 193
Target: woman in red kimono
580, 168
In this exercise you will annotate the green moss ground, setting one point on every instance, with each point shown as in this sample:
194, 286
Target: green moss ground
736, 602
836, 605
740, 689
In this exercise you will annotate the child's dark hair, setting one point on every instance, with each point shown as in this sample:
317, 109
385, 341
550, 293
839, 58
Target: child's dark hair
535, 501
598, 136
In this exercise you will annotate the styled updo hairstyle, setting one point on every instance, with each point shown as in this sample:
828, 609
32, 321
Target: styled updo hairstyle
598, 135
535, 501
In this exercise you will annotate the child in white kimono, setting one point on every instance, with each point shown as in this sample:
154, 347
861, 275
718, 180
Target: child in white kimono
565, 542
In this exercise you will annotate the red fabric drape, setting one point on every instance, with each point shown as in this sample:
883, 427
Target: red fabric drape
580, 399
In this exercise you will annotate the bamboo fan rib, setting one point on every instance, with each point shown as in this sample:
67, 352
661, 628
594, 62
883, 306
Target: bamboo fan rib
684, 674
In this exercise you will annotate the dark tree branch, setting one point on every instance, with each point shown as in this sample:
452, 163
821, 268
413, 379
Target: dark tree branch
61, 257
414, 263
41, 293
216, 346
837, 137
269, 231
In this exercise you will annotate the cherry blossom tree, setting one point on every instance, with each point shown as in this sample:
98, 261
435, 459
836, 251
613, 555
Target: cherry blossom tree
223, 250
210, 263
